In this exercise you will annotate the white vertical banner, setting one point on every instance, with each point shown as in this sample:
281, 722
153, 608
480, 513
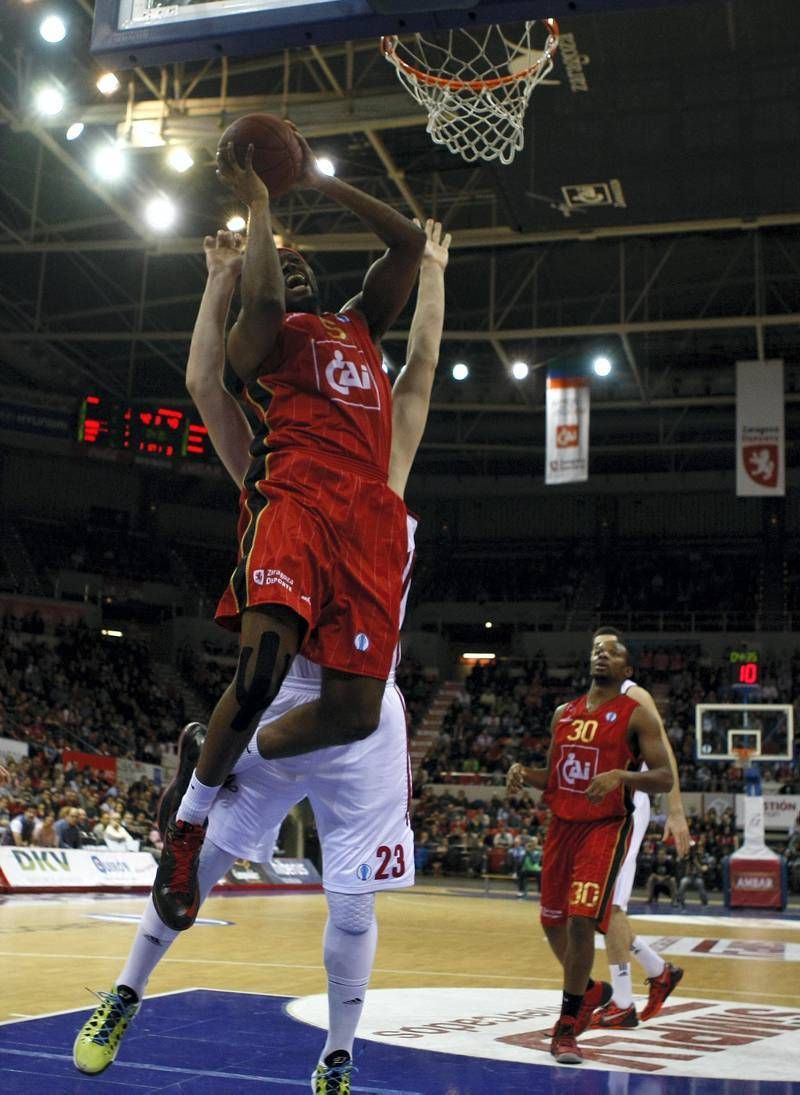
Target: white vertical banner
567, 428
760, 439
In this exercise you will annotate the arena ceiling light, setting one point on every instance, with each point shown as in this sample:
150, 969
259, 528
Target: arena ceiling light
460, 371
108, 83
519, 370
180, 159
602, 365
160, 213
49, 100
109, 162
326, 166
236, 223
53, 28
74, 131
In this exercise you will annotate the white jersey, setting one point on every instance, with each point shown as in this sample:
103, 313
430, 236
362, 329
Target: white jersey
641, 819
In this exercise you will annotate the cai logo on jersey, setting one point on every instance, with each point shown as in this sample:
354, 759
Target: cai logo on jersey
577, 765
343, 375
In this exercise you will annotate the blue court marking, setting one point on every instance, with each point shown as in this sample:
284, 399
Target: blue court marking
207, 1042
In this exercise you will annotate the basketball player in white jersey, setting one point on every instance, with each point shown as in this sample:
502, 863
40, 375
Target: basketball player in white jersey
662, 977
360, 793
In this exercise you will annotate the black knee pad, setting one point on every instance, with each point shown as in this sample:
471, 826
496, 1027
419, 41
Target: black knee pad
252, 698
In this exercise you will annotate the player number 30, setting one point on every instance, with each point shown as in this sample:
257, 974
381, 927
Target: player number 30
583, 730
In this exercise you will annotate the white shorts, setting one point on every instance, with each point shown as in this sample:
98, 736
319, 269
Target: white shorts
627, 872
360, 795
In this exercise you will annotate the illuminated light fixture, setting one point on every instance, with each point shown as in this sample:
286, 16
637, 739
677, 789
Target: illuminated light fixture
180, 159
519, 370
481, 656
109, 162
75, 131
236, 223
160, 213
488, 624
49, 100
53, 28
601, 366
326, 166
111, 633
145, 133
107, 84
460, 371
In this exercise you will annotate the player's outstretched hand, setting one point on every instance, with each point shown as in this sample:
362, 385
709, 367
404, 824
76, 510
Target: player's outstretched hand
602, 785
224, 253
677, 827
309, 175
437, 247
242, 181
515, 776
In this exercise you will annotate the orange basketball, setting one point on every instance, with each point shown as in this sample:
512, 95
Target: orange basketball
277, 154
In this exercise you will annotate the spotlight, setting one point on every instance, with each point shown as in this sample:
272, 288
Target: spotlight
488, 625
602, 366
74, 131
236, 223
519, 370
326, 166
53, 29
109, 162
160, 213
107, 84
180, 159
460, 371
49, 101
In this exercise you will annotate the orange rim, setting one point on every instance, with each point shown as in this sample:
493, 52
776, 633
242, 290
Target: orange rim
389, 48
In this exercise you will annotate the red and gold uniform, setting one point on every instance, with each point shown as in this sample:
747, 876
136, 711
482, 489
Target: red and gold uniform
586, 842
320, 530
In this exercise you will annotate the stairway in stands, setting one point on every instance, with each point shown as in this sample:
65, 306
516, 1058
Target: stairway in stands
431, 723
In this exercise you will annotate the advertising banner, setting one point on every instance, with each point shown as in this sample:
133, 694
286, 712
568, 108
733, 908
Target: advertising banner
105, 765
760, 440
754, 883
10, 747
75, 869
282, 874
780, 812
567, 429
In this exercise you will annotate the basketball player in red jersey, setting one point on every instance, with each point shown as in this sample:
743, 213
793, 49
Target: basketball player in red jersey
597, 744
323, 537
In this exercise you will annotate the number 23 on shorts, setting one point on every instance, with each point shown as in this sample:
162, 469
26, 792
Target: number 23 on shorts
392, 862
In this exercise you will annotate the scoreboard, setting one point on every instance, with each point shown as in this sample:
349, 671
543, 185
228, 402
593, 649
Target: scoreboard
745, 671
153, 430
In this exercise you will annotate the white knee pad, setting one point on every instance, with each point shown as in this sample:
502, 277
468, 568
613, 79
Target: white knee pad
351, 913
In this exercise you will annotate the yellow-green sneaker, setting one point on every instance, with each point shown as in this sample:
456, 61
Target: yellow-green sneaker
99, 1038
332, 1076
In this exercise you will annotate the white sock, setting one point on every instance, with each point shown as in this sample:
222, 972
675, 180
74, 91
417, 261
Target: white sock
348, 959
621, 983
197, 801
153, 937
652, 963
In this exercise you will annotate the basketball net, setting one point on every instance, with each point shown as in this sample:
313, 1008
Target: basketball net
475, 83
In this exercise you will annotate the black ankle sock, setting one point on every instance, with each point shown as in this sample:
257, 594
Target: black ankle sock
570, 1004
128, 995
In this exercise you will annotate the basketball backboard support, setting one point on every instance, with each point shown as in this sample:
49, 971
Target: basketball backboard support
764, 728
130, 33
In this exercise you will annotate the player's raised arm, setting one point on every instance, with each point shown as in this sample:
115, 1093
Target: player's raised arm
411, 395
263, 308
227, 426
389, 281
676, 823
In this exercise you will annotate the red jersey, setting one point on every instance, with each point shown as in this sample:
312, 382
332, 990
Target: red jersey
585, 743
322, 389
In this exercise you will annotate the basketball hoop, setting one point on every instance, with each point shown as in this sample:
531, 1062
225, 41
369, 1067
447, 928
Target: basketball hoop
742, 757
474, 83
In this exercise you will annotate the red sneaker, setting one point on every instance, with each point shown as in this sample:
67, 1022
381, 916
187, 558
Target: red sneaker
612, 1016
563, 1046
660, 988
596, 997
176, 894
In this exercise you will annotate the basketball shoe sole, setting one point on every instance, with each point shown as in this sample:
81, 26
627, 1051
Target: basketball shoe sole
190, 743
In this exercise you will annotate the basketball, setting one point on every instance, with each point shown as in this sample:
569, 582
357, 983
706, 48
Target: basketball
277, 154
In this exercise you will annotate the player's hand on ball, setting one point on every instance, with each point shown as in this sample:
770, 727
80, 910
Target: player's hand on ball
676, 827
309, 174
242, 181
437, 248
602, 785
224, 253
515, 777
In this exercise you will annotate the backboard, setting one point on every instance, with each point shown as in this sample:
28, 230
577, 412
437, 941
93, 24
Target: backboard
764, 728
147, 32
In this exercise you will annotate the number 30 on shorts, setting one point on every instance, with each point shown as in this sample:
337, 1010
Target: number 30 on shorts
392, 862
584, 893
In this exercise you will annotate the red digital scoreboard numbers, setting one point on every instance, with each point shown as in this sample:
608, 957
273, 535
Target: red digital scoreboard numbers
744, 667
155, 431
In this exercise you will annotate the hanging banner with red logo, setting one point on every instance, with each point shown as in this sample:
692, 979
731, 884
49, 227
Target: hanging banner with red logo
567, 426
760, 443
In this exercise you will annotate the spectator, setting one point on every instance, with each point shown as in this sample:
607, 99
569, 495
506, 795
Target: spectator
45, 835
662, 878
23, 827
67, 828
118, 837
531, 868
694, 872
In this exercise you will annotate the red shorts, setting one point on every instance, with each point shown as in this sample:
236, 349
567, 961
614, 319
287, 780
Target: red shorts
579, 868
331, 545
